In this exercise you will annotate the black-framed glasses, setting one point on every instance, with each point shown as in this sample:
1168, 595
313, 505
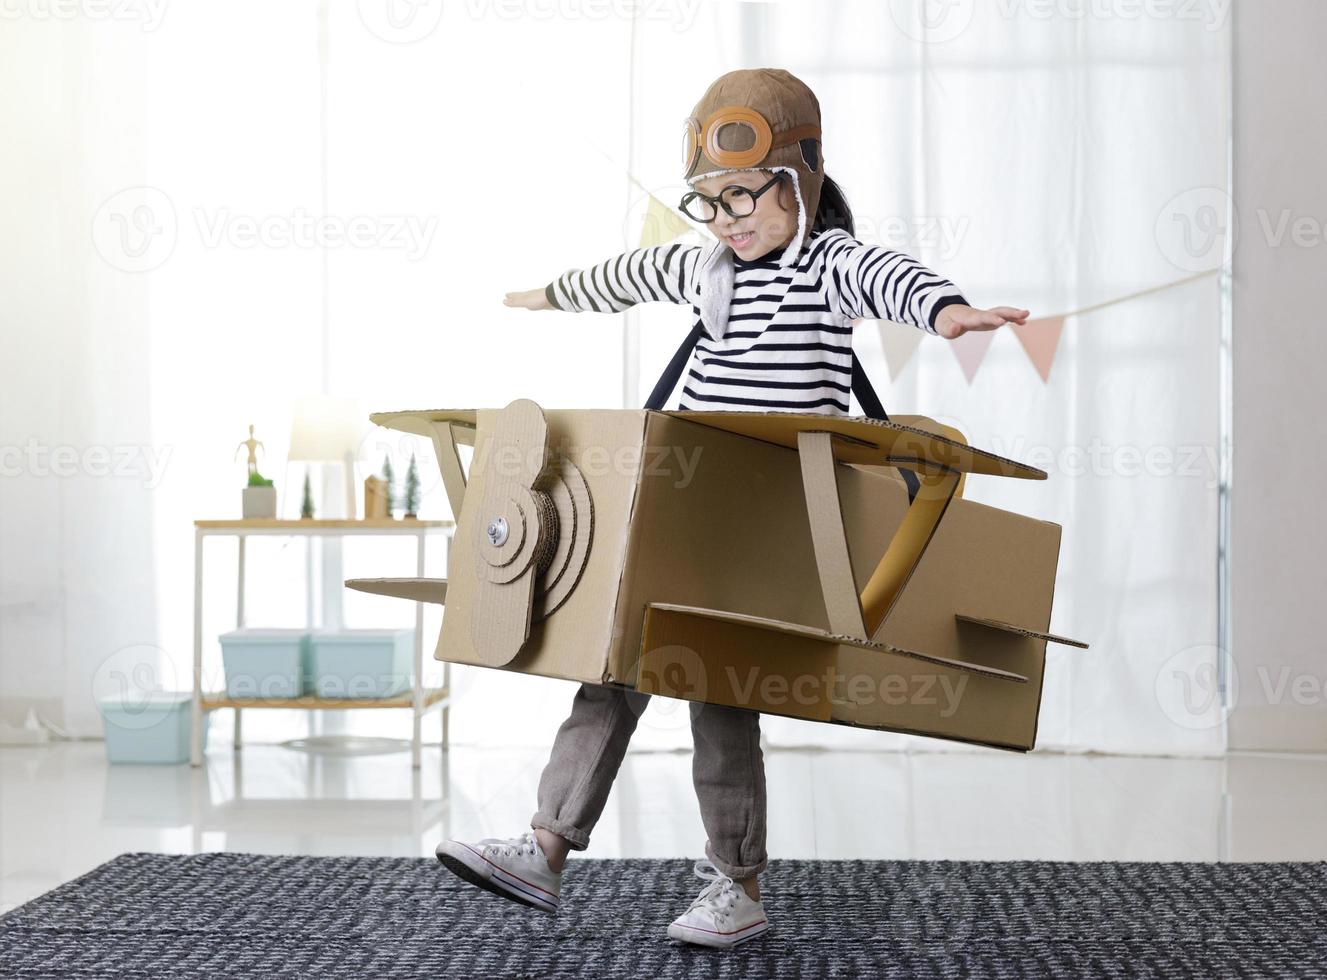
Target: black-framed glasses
738, 201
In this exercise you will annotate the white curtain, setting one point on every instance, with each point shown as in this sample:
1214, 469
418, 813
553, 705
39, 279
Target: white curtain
472, 149
80, 465
1041, 155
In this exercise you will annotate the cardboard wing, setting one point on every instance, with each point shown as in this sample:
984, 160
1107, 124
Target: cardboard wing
770, 561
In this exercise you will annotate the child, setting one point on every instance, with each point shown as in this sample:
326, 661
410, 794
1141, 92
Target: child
773, 298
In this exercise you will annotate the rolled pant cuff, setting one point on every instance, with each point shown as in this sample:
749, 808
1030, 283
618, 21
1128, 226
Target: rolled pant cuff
737, 872
578, 839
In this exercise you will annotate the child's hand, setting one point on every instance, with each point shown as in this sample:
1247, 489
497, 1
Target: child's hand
529, 299
955, 321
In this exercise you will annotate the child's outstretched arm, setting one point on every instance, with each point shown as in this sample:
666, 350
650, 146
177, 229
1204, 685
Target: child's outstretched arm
878, 283
659, 274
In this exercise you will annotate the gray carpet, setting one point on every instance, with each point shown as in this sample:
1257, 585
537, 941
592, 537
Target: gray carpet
242, 915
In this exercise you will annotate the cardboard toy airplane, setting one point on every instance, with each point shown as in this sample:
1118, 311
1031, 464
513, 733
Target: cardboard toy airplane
772, 561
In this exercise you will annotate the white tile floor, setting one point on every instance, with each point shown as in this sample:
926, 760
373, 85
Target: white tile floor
63, 810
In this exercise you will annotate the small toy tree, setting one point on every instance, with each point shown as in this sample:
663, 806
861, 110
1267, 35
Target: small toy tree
391, 484
412, 488
306, 508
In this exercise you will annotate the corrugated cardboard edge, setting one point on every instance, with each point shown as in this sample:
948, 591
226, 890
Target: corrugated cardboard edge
617, 633
921, 733
1002, 466
1020, 630
825, 636
418, 589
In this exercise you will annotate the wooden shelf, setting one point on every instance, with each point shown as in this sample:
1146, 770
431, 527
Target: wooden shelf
219, 699
317, 524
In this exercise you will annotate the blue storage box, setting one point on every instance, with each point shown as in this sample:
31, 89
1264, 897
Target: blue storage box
361, 663
148, 727
266, 663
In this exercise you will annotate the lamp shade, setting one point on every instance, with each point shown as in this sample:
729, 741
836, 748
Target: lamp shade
326, 429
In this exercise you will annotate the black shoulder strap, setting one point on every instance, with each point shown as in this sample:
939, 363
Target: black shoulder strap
861, 387
663, 388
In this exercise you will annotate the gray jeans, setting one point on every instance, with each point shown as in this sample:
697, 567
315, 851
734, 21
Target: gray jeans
727, 768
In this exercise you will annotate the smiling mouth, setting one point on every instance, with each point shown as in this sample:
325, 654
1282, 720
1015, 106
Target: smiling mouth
744, 238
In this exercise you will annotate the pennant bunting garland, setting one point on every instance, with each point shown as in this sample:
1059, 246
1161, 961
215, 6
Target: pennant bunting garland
1040, 338
970, 349
662, 224
900, 342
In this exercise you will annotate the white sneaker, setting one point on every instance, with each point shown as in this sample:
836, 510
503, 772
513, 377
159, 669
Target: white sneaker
516, 869
722, 915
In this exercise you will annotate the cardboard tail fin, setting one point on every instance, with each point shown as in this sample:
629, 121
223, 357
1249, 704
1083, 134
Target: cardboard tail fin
419, 589
996, 624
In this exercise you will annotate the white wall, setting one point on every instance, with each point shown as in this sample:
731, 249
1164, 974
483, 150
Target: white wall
1278, 533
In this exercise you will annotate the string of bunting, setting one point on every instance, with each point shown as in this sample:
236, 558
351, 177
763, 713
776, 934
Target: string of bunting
1040, 338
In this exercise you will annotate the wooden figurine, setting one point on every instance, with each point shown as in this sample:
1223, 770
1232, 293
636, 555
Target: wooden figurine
375, 498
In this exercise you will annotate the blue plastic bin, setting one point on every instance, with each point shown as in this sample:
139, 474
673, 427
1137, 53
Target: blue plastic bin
266, 663
372, 663
151, 728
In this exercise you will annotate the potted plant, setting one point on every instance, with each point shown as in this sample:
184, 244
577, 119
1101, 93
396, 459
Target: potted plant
259, 497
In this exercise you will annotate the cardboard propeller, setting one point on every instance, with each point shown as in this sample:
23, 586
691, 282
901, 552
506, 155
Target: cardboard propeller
534, 539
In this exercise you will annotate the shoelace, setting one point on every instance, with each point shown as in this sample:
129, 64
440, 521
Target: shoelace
525, 844
719, 896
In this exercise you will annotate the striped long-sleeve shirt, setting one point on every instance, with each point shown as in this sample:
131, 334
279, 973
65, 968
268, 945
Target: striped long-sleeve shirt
788, 346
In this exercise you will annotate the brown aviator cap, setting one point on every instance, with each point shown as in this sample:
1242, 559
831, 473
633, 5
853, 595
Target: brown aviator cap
759, 118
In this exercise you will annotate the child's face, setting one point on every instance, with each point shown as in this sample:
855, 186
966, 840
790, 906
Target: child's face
772, 224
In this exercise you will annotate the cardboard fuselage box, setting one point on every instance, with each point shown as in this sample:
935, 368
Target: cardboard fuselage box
771, 562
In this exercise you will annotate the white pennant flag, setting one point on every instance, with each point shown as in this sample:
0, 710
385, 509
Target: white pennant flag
899, 343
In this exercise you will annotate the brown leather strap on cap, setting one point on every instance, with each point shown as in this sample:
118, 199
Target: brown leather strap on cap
795, 135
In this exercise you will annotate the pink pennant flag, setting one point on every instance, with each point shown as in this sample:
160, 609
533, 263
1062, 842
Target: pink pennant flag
1041, 338
970, 349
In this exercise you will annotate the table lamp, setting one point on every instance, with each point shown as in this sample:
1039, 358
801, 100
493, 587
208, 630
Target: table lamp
328, 429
